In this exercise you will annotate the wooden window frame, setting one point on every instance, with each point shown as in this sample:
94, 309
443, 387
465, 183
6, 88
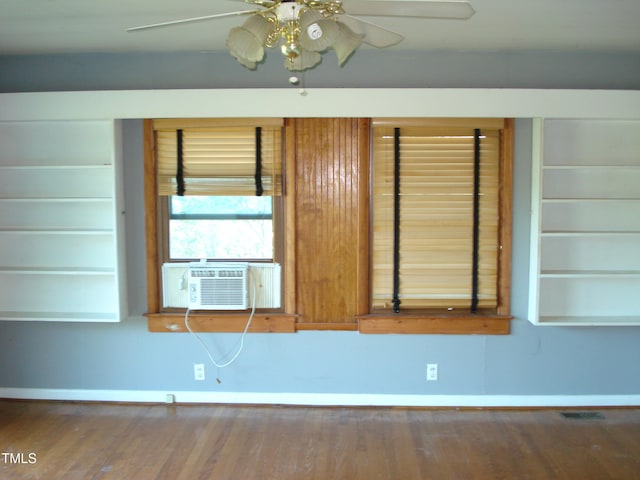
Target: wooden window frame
172, 320
292, 318
278, 232
434, 322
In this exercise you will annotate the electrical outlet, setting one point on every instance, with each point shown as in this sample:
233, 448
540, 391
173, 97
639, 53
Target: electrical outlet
198, 371
432, 372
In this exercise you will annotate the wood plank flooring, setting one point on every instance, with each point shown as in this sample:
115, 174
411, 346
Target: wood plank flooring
58, 440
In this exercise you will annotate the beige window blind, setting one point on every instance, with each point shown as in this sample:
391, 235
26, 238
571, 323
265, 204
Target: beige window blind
219, 156
436, 213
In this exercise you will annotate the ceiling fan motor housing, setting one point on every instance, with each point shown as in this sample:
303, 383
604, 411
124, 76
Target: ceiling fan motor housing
288, 11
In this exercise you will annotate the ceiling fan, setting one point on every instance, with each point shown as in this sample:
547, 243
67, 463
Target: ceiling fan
304, 29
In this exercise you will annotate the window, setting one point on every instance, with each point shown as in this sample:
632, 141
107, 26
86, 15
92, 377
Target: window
333, 231
220, 228
217, 181
216, 192
441, 194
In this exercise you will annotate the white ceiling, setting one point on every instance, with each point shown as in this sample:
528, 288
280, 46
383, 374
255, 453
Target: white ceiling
83, 26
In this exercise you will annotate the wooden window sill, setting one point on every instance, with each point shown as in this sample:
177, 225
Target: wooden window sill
462, 324
343, 327
383, 323
221, 322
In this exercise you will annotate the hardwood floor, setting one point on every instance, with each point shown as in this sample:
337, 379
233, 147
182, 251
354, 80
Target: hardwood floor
57, 440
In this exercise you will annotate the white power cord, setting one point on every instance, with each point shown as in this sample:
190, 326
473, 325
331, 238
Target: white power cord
244, 333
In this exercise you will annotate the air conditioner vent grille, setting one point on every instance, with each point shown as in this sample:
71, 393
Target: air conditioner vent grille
217, 273
222, 291
218, 287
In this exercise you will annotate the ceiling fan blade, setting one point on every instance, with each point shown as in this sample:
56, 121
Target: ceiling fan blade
374, 35
192, 20
454, 9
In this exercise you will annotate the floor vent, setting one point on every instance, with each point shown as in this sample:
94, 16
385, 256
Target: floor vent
582, 415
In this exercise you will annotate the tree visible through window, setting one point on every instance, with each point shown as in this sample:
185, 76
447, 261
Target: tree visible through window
220, 227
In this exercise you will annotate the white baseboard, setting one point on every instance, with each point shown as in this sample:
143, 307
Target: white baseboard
322, 399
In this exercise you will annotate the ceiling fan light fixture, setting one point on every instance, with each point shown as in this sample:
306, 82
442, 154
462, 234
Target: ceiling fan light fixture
244, 46
259, 26
317, 33
290, 33
247, 63
287, 11
304, 28
246, 43
290, 50
346, 43
305, 59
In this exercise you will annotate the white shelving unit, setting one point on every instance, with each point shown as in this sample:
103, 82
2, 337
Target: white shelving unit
585, 232
61, 221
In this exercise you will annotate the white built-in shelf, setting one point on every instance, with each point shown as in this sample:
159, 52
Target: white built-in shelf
589, 274
58, 231
585, 231
56, 271
60, 316
61, 221
582, 321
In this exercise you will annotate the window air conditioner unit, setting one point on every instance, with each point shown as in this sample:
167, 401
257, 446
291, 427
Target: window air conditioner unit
263, 283
217, 286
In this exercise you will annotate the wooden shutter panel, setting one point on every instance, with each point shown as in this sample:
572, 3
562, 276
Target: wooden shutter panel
219, 156
436, 219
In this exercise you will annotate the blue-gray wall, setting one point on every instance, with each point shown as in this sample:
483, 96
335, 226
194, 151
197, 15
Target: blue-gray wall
366, 69
529, 361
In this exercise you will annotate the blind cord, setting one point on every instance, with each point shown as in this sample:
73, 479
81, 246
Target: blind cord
476, 220
396, 221
180, 164
258, 175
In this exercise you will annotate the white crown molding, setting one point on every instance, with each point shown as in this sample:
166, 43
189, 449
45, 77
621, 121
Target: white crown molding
329, 102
